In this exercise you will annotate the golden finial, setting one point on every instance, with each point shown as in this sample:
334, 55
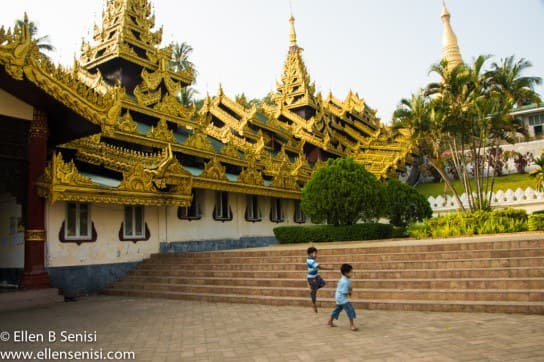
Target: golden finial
292, 34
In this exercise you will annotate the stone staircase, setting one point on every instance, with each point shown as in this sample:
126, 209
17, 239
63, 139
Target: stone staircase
475, 276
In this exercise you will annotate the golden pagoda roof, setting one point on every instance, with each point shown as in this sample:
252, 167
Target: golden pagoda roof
233, 146
86, 96
296, 89
127, 32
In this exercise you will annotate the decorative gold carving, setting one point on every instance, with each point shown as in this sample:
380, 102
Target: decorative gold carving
66, 173
161, 132
152, 80
137, 180
214, 170
176, 169
146, 98
35, 235
295, 89
230, 150
15, 48
170, 105
250, 175
284, 179
127, 124
200, 141
20, 55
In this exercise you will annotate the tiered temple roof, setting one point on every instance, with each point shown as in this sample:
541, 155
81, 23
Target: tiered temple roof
152, 150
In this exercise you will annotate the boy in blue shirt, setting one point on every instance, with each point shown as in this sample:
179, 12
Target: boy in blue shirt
343, 290
315, 281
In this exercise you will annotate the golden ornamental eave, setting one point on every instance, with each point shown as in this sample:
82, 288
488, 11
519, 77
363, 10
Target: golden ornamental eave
241, 188
62, 181
183, 120
21, 59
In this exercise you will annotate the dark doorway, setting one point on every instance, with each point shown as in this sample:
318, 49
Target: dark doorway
13, 182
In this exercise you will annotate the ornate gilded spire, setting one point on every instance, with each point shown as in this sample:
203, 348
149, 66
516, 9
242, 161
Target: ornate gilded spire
296, 89
127, 33
450, 48
292, 33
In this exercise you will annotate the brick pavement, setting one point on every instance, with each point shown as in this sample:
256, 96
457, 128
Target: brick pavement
168, 330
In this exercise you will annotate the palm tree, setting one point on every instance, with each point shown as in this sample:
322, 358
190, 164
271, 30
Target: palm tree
538, 173
186, 96
180, 57
43, 42
424, 117
180, 62
507, 79
466, 114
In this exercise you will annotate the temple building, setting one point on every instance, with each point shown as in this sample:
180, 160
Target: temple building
103, 165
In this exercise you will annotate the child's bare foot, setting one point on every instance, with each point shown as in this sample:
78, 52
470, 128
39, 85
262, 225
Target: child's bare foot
314, 306
353, 328
331, 324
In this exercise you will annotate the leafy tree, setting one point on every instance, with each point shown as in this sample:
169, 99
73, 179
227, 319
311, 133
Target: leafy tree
404, 204
180, 62
456, 121
180, 57
43, 42
538, 173
187, 96
341, 193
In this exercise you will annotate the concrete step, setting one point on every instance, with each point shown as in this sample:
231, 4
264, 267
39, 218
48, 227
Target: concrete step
335, 259
369, 248
457, 283
480, 276
359, 304
523, 272
405, 264
524, 295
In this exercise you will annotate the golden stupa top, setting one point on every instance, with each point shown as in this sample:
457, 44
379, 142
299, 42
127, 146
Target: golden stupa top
296, 89
450, 47
292, 33
127, 33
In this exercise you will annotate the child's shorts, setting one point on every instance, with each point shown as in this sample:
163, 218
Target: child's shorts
348, 307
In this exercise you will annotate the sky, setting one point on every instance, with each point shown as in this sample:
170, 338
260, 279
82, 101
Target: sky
381, 49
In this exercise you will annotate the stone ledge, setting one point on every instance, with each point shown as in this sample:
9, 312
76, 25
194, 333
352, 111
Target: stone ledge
221, 244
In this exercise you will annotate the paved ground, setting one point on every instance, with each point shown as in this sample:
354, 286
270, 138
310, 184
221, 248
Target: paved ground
164, 330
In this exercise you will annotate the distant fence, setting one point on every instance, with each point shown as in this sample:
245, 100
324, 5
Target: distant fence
528, 199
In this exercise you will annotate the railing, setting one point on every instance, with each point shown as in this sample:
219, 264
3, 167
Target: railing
528, 199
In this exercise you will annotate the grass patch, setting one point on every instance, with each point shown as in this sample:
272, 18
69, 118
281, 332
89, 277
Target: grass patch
504, 183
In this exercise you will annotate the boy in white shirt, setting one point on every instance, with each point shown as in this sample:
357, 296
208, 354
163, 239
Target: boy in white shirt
343, 290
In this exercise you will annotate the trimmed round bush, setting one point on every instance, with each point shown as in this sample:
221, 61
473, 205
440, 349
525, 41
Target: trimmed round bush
341, 193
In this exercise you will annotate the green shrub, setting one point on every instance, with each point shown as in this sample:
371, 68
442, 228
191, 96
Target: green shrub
404, 204
536, 222
341, 193
473, 223
322, 233
399, 232
419, 230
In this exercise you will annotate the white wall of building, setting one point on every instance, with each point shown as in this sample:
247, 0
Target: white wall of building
164, 226
14, 107
12, 246
209, 229
107, 248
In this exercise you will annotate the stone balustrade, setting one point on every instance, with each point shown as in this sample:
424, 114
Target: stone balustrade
528, 199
